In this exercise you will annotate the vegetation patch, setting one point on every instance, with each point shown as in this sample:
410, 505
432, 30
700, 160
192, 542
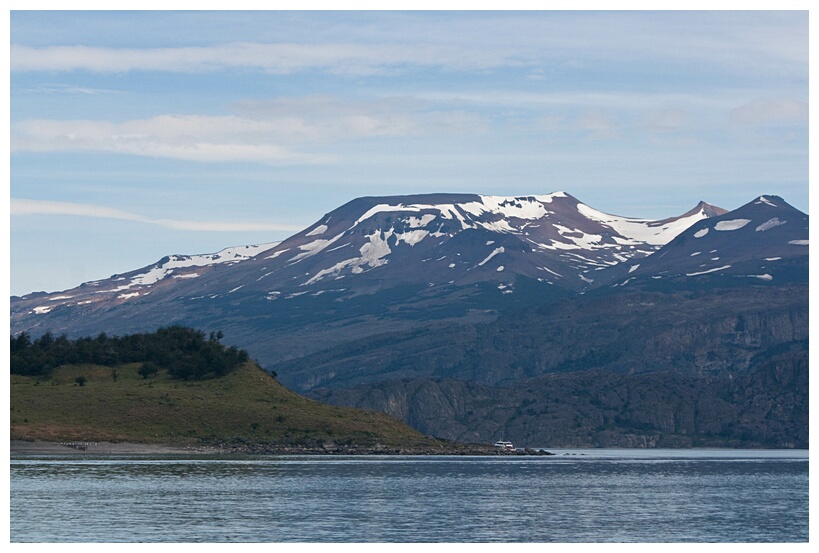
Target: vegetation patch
183, 352
246, 406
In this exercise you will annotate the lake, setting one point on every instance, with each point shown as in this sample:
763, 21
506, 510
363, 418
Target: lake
575, 496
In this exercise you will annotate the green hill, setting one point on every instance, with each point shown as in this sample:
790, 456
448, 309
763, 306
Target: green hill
86, 402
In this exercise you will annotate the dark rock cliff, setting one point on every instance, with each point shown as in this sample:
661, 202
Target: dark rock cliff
714, 333
765, 407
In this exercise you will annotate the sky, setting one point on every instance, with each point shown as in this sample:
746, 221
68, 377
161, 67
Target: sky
140, 134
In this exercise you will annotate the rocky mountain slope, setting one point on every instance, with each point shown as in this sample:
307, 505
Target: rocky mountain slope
499, 295
438, 255
764, 240
598, 408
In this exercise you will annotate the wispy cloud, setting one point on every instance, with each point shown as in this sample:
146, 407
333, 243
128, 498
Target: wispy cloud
372, 43
771, 111
278, 58
666, 121
289, 131
68, 89
22, 207
598, 126
188, 137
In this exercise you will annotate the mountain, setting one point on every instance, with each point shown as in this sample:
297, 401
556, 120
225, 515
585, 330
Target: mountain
383, 296
764, 240
407, 253
766, 408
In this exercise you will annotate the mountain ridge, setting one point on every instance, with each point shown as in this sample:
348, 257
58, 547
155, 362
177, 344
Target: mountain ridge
421, 254
455, 207
503, 295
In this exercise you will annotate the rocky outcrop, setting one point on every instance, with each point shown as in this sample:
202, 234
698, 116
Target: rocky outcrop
765, 407
713, 333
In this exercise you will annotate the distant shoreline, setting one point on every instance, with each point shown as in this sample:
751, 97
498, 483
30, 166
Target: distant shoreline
23, 447
26, 448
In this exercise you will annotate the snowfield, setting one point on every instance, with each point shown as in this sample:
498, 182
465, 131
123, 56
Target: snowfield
734, 224
709, 271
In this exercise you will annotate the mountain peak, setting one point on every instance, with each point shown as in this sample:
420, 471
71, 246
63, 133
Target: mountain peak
708, 209
771, 200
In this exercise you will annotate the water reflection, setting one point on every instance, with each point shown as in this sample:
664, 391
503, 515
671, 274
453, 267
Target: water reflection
585, 498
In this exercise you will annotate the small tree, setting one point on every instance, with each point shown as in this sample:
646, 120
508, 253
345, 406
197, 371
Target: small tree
81, 380
148, 369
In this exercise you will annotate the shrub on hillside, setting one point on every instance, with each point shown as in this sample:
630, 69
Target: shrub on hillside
184, 352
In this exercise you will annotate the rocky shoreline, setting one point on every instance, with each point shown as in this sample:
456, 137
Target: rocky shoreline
23, 448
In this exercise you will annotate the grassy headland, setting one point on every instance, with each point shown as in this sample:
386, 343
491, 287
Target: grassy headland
245, 408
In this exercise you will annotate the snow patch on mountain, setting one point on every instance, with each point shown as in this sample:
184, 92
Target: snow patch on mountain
519, 208
764, 200
799, 242
482, 213
321, 229
733, 224
582, 241
277, 253
700, 233
547, 198
769, 224
419, 222
372, 254
312, 248
412, 237
643, 230
331, 271
164, 269
495, 252
383, 208
551, 271
714, 270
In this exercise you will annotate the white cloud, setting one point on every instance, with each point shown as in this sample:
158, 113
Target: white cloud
537, 42
188, 137
771, 111
22, 207
58, 88
378, 42
666, 121
278, 58
286, 131
599, 126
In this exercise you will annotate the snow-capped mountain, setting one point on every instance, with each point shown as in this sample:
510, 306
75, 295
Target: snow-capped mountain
407, 259
765, 240
433, 240
141, 282
418, 305
461, 239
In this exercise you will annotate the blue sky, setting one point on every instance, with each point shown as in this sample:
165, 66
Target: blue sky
136, 135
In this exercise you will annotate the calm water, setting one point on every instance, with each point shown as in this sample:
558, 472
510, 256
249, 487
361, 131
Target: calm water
596, 496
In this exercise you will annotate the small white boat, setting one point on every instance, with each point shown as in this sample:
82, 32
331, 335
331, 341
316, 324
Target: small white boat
504, 445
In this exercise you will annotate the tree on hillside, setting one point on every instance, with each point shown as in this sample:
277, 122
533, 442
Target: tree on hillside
184, 352
148, 369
